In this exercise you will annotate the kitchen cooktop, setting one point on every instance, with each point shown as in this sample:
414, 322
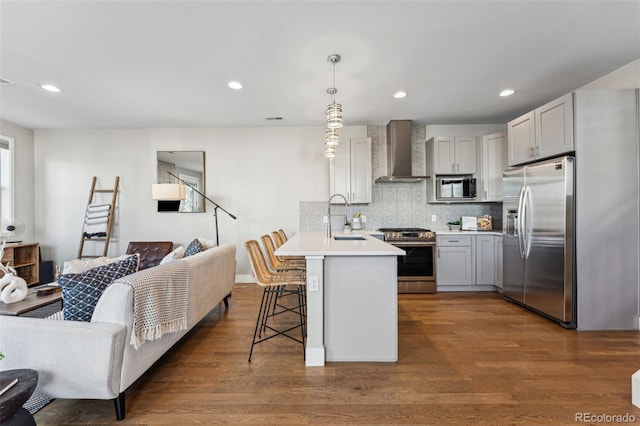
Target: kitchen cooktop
408, 234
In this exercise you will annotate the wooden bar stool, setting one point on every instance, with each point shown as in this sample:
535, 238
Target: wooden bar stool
281, 263
279, 237
273, 284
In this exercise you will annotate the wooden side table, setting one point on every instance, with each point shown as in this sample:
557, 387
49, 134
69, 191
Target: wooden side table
23, 257
11, 411
30, 303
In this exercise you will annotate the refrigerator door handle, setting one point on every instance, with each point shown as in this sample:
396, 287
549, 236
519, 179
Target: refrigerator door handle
526, 232
519, 222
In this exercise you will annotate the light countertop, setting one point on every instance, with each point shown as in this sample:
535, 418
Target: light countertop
316, 243
449, 233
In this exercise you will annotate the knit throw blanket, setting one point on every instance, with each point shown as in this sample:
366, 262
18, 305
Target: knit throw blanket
160, 301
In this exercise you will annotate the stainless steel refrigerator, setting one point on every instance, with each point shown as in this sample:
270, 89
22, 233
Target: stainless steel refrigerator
539, 243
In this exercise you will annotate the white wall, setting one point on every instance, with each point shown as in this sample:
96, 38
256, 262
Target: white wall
23, 176
626, 77
607, 227
258, 174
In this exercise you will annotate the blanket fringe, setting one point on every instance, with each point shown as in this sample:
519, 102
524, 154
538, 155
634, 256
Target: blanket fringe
156, 332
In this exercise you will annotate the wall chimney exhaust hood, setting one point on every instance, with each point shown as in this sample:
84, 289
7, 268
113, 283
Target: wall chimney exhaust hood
399, 154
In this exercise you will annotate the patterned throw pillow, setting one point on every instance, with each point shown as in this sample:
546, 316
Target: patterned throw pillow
80, 292
194, 247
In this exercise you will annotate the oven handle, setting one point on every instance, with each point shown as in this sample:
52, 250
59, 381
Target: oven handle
416, 244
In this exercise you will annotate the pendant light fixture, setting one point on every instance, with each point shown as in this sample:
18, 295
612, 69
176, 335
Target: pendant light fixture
333, 114
332, 137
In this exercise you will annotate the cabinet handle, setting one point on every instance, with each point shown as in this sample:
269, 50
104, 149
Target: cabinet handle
453, 167
486, 194
438, 253
453, 241
458, 167
537, 150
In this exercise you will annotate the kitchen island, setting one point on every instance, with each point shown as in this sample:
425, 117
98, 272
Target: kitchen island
352, 309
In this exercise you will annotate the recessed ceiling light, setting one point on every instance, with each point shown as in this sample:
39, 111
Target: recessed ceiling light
50, 88
235, 85
399, 94
507, 92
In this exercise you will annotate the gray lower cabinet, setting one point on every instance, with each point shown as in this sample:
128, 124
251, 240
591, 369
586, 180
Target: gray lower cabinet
485, 260
469, 262
454, 263
498, 262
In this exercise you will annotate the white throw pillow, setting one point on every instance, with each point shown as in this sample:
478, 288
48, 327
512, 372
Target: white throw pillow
177, 253
78, 266
206, 243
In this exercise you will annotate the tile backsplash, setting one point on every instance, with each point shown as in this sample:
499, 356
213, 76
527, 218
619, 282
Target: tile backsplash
397, 204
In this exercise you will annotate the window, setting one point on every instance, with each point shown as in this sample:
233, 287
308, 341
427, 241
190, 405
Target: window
192, 202
6, 184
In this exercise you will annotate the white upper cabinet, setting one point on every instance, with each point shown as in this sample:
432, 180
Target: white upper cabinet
451, 155
466, 154
545, 132
554, 127
350, 171
522, 139
493, 162
443, 158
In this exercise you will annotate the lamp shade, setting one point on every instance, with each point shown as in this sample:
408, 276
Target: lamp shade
168, 191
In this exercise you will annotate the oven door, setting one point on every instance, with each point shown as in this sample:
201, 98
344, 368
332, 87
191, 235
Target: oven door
417, 269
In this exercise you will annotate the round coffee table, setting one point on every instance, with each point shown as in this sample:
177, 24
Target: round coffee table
11, 411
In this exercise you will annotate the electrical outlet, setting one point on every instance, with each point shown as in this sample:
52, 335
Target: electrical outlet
434, 218
314, 284
363, 218
324, 219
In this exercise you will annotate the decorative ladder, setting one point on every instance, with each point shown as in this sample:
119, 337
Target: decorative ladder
98, 221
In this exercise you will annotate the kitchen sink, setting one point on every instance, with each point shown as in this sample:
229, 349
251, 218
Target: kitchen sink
349, 237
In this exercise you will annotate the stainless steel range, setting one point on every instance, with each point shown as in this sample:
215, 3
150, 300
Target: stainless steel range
417, 269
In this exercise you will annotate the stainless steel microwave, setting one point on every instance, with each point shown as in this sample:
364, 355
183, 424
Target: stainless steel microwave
455, 187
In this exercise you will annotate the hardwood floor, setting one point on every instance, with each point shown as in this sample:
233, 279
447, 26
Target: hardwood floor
464, 358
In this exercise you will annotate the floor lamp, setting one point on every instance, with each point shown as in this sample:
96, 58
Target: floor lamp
176, 192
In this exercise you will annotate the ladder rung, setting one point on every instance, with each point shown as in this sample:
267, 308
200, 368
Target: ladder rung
107, 235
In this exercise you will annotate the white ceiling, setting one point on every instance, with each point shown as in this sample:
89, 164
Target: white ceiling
166, 64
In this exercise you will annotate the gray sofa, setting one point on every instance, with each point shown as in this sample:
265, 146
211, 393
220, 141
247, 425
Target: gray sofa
94, 360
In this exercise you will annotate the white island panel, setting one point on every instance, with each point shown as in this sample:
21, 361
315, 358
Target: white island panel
352, 310
361, 309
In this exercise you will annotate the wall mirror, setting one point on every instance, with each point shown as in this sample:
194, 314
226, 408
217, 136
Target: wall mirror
6, 186
188, 166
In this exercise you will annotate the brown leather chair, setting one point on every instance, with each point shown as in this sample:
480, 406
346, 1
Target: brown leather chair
151, 252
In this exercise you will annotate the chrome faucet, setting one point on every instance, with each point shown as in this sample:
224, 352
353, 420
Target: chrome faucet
346, 203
